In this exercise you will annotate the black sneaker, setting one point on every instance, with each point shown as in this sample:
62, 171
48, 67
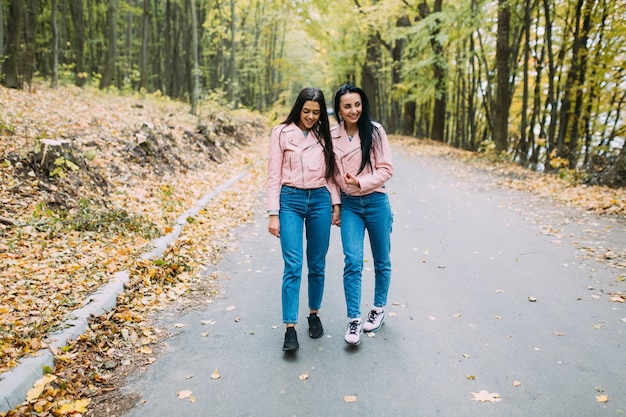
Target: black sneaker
291, 340
315, 326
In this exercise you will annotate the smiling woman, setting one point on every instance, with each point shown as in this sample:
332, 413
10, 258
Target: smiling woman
300, 192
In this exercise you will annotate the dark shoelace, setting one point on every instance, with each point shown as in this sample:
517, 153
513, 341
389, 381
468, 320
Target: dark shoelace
354, 327
372, 316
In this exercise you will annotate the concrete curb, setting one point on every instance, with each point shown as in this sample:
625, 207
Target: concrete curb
14, 384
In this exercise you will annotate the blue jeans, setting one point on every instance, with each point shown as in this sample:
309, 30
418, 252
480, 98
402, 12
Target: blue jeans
309, 210
371, 212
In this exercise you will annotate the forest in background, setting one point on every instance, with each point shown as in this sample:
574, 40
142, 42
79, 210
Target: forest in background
538, 82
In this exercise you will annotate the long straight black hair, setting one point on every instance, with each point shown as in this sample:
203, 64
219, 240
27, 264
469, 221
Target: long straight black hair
321, 129
368, 132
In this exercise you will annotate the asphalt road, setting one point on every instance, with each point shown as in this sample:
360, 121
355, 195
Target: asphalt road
467, 255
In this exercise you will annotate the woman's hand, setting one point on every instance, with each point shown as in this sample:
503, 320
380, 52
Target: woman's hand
337, 215
351, 180
274, 226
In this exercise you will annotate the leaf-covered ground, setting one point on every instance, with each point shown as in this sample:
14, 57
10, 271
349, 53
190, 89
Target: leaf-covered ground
88, 179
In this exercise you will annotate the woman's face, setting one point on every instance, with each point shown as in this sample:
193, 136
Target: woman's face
350, 107
309, 115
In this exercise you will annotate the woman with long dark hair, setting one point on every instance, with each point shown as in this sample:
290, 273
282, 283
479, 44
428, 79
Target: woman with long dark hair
362, 167
302, 196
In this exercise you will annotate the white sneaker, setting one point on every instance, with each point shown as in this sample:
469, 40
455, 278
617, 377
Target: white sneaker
374, 321
353, 334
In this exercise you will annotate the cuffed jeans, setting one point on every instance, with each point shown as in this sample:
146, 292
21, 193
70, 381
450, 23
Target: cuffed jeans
358, 213
309, 210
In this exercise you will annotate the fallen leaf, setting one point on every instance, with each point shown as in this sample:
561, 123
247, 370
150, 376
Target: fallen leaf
215, 375
517, 384
303, 377
208, 322
497, 317
392, 314
532, 299
231, 308
349, 398
602, 398
557, 333
37, 389
184, 394
457, 315
485, 396
470, 377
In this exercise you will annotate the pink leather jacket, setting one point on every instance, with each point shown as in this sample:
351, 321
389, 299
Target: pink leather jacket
297, 161
348, 159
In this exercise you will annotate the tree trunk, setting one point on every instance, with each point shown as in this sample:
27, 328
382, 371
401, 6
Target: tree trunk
503, 99
1, 31
566, 101
128, 46
439, 70
580, 83
111, 53
551, 93
55, 45
523, 142
30, 32
233, 84
12, 77
145, 39
369, 75
78, 19
195, 92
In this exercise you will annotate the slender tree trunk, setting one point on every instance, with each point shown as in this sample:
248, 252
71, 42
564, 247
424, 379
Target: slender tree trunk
30, 32
503, 53
234, 84
369, 75
551, 93
128, 70
55, 45
111, 53
396, 120
12, 77
145, 40
78, 19
1, 30
566, 100
580, 83
523, 143
439, 70
195, 93
168, 73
